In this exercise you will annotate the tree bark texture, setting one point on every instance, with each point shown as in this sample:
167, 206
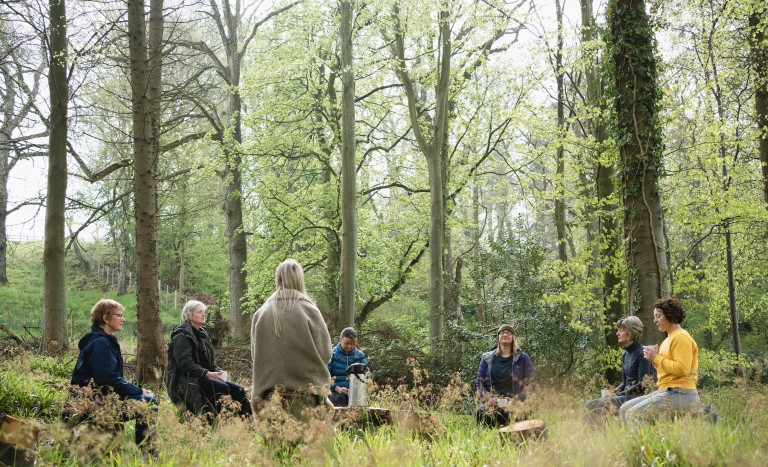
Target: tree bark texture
348, 169
605, 187
145, 87
637, 109
758, 24
54, 333
560, 220
228, 24
5, 153
431, 148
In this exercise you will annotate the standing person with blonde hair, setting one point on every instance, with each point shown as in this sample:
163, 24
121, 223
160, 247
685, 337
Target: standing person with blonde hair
634, 369
502, 378
677, 366
193, 378
100, 362
290, 344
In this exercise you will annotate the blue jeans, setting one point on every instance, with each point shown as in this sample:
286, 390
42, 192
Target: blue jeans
664, 402
607, 403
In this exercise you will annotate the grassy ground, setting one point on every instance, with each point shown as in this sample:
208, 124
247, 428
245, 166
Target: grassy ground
21, 302
35, 387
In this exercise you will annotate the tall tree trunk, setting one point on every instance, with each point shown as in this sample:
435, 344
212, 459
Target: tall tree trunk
758, 35
476, 260
637, 109
54, 334
609, 232
348, 169
560, 227
145, 86
5, 151
237, 250
432, 149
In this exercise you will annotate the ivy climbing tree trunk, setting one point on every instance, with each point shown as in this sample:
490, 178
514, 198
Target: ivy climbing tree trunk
636, 104
145, 48
54, 333
348, 168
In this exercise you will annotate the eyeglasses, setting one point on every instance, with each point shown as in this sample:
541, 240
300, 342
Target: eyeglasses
507, 333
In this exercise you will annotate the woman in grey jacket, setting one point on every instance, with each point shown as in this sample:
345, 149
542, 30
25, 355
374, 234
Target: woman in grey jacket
290, 344
193, 377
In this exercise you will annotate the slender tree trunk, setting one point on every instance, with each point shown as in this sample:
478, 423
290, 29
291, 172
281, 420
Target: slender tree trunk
432, 149
348, 169
637, 108
560, 227
54, 334
4, 157
233, 177
436, 235
734, 313
758, 35
145, 87
476, 260
609, 233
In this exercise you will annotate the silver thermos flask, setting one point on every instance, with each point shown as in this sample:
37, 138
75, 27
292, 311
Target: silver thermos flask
358, 375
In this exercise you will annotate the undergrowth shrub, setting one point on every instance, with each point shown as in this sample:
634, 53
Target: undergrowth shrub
24, 396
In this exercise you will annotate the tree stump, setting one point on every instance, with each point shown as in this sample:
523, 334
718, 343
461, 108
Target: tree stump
523, 431
17, 441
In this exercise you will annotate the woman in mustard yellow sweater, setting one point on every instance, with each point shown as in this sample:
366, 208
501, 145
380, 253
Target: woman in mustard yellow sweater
677, 366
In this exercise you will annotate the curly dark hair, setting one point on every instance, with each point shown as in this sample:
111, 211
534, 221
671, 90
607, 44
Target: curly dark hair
672, 309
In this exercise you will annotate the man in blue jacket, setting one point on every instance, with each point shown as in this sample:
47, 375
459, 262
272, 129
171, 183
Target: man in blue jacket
100, 362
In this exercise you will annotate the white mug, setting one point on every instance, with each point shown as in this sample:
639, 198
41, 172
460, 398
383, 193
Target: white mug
224, 376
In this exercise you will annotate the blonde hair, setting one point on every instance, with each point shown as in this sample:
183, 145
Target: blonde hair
103, 310
289, 275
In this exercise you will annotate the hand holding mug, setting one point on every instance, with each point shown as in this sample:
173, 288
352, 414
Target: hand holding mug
650, 352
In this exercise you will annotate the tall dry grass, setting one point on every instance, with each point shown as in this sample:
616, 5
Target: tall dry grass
430, 426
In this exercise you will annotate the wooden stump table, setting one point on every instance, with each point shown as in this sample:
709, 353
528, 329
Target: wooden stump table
523, 431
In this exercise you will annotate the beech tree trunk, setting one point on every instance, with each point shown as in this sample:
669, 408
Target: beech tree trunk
609, 230
431, 148
637, 108
145, 73
54, 333
758, 35
5, 153
348, 169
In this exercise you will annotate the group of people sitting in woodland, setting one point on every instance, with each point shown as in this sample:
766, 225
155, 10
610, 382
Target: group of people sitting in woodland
293, 360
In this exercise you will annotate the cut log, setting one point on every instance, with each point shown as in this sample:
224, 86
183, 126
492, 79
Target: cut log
18, 433
522, 431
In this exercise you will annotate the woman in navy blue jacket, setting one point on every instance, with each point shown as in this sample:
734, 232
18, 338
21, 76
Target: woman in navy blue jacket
344, 354
503, 376
100, 362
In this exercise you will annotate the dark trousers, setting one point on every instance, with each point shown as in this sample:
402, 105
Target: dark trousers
339, 400
492, 417
212, 390
142, 427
